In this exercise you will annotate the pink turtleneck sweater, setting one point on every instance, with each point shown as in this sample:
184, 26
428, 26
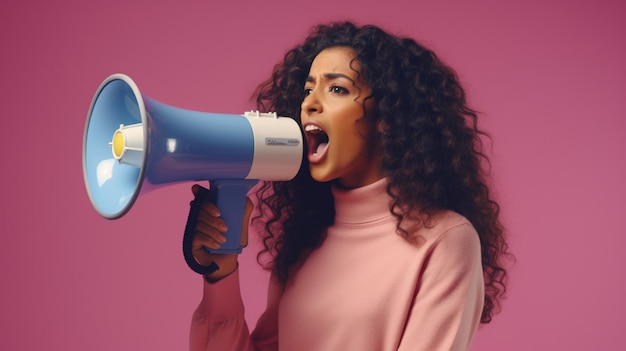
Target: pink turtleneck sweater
365, 288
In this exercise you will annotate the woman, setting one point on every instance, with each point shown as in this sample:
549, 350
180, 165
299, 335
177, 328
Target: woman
388, 238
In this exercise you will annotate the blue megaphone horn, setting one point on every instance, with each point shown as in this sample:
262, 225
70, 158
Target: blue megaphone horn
133, 144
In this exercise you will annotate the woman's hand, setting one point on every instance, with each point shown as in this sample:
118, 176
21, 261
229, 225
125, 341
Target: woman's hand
209, 233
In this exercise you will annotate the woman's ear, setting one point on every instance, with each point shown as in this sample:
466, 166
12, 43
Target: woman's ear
380, 126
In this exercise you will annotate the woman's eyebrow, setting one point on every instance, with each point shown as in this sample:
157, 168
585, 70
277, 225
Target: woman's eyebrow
330, 76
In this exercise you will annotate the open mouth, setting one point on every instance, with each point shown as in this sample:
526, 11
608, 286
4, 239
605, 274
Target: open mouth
317, 141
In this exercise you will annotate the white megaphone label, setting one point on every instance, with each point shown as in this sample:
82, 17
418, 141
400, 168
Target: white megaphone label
278, 146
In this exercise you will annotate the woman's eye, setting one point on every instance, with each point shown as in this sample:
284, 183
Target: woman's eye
338, 90
307, 91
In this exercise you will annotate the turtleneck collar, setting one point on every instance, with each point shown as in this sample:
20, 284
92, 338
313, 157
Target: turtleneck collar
362, 205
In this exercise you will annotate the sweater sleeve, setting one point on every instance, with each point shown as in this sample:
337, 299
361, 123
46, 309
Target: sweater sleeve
450, 295
219, 321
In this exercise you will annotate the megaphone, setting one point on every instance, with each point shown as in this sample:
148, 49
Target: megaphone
133, 144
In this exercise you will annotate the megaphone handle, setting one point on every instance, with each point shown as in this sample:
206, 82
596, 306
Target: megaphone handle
229, 195
194, 211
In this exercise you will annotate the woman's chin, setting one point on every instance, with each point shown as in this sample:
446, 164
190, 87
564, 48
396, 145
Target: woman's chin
320, 175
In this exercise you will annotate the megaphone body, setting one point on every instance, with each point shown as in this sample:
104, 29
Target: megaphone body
133, 144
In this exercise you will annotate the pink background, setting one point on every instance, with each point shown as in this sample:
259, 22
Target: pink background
549, 76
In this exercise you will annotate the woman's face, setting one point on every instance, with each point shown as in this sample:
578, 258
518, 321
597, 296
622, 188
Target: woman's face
342, 143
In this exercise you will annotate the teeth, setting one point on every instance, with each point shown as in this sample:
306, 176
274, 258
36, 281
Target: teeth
311, 128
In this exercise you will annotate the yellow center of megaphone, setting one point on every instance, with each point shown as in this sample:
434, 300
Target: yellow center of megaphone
118, 144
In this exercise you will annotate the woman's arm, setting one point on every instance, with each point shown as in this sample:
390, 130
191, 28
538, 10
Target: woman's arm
450, 296
219, 321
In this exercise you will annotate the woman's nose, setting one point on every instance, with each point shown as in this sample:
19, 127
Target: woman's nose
311, 104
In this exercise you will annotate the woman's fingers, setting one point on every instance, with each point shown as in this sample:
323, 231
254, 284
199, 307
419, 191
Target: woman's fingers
205, 232
210, 225
203, 240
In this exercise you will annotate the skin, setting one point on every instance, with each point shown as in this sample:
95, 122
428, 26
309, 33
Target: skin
333, 106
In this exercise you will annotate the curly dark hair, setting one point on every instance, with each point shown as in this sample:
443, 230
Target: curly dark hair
432, 150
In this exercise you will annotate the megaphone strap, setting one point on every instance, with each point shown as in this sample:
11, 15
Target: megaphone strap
194, 212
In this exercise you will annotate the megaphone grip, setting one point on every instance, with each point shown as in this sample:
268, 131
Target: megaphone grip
230, 196
196, 206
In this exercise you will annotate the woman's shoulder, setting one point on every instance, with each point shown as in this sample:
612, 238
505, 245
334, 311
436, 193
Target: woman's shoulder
448, 226
447, 220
